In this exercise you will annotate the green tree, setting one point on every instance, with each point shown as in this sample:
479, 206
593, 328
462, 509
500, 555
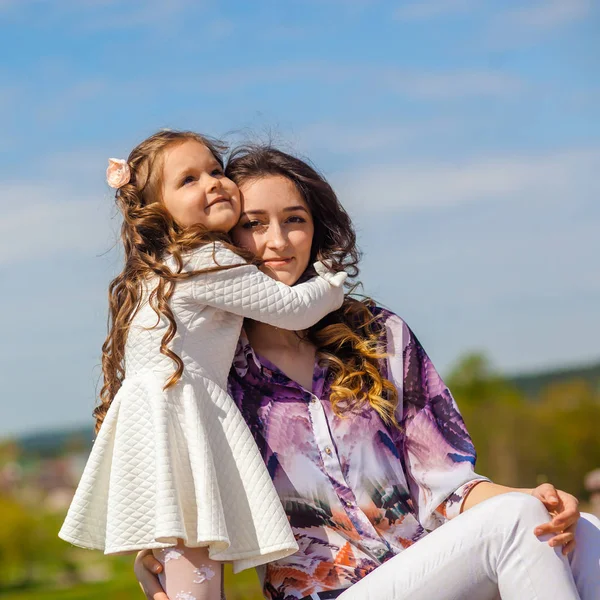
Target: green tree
524, 441
492, 410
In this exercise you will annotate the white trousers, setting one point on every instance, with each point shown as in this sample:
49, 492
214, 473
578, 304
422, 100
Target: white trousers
490, 552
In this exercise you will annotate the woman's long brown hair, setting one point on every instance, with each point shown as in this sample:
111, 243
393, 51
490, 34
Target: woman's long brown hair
348, 338
149, 233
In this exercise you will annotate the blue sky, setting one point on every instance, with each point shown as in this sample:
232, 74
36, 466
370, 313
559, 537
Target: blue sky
462, 135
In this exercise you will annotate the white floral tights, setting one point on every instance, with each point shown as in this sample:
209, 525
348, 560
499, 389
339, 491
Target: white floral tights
189, 574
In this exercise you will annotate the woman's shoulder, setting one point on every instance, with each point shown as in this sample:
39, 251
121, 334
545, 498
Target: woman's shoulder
377, 318
394, 330
387, 319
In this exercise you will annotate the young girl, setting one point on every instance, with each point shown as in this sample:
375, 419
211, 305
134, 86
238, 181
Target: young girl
174, 467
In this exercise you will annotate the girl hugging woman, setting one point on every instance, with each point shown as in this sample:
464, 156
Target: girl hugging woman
174, 467
352, 430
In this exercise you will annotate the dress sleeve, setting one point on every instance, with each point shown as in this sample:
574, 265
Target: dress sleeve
246, 291
438, 452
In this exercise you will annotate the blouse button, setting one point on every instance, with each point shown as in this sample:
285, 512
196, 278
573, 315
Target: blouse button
328, 450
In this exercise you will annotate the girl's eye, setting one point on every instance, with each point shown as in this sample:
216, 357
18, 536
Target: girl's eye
217, 172
188, 179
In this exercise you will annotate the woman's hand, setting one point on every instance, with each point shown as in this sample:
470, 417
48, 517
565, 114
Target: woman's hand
564, 509
562, 506
146, 569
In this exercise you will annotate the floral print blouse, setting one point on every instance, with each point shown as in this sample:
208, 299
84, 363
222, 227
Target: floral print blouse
356, 492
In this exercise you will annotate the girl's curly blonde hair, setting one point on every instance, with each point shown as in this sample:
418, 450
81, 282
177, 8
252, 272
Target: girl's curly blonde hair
149, 233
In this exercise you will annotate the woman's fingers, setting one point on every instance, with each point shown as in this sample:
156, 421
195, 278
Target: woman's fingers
151, 564
568, 548
569, 511
564, 536
548, 494
546, 528
562, 539
563, 507
553, 527
144, 568
557, 525
566, 540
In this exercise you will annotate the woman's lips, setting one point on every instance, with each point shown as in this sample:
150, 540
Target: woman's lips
277, 262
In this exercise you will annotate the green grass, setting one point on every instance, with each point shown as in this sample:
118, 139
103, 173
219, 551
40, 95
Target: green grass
117, 590
123, 586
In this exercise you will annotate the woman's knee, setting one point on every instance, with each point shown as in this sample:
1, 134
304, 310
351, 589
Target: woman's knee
516, 508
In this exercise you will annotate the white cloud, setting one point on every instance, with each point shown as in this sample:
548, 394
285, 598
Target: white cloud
41, 220
457, 84
350, 6
140, 13
530, 22
369, 137
404, 82
71, 98
549, 177
87, 166
430, 9
105, 14
547, 15
498, 253
535, 14
503, 25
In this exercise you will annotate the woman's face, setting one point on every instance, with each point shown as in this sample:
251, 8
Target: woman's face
276, 225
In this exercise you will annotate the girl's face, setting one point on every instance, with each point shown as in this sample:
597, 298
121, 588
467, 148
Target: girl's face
276, 225
195, 190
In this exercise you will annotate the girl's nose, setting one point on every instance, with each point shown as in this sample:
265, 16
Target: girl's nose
214, 183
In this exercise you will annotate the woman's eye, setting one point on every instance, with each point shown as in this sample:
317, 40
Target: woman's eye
218, 172
296, 219
251, 224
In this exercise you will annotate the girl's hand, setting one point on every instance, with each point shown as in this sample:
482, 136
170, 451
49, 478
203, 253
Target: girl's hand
146, 569
564, 509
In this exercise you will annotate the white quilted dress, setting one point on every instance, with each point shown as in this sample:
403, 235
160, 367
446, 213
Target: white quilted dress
182, 463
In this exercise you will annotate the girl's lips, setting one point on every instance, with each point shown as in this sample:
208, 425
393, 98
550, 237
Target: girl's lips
219, 200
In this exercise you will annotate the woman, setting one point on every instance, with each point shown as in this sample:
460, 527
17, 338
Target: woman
364, 443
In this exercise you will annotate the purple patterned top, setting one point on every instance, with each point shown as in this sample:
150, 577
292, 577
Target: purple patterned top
356, 491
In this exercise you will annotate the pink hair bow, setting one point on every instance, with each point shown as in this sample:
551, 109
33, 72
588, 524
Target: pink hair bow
118, 173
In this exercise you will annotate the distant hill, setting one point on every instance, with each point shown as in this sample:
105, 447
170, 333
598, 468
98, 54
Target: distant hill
56, 442
531, 384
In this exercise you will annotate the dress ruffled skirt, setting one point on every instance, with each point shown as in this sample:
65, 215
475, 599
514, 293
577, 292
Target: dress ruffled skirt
178, 464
